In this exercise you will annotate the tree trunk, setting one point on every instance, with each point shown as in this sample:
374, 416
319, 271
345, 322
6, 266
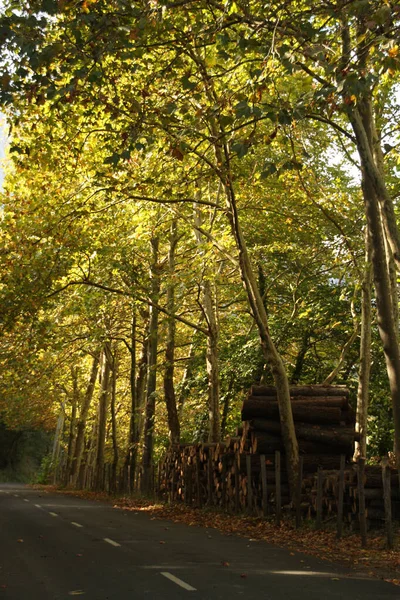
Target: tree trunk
81, 424
57, 441
365, 354
210, 308
114, 422
133, 440
151, 372
102, 416
271, 355
388, 329
169, 388
381, 222
72, 425
184, 384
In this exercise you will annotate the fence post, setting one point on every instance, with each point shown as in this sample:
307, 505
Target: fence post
361, 501
264, 485
237, 497
318, 522
387, 498
210, 480
340, 499
278, 498
298, 493
249, 485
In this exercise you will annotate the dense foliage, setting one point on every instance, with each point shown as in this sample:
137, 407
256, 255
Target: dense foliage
154, 145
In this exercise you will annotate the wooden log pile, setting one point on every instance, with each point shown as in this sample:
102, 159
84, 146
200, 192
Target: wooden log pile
239, 474
324, 423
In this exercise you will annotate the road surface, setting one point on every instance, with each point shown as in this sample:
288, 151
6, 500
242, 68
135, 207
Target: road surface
55, 547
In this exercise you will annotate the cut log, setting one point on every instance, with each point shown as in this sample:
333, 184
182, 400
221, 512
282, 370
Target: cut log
265, 443
307, 413
302, 390
333, 436
317, 401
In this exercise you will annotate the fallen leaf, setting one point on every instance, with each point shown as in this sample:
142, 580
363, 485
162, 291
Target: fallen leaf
76, 593
225, 564
243, 575
20, 541
162, 542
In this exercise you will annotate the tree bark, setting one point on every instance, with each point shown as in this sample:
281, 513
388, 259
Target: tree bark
102, 416
148, 440
212, 365
114, 376
133, 439
365, 353
388, 329
72, 424
81, 424
169, 388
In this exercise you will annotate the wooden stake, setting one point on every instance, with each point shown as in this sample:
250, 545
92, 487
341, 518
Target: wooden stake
278, 487
298, 493
318, 522
264, 485
237, 497
249, 485
387, 498
210, 480
340, 498
361, 501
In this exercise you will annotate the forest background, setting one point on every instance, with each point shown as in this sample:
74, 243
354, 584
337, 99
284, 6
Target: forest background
181, 218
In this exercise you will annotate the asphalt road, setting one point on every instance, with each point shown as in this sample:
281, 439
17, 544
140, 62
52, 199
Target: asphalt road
54, 547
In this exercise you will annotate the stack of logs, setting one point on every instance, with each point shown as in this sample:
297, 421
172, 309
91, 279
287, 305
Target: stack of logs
240, 474
324, 424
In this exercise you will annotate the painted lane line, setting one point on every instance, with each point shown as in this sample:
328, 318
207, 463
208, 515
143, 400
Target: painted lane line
111, 542
53, 514
26, 500
178, 581
16, 496
76, 524
38, 506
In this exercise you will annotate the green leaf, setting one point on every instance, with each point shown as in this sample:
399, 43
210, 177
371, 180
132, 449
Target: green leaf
240, 148
113, 159
269, 170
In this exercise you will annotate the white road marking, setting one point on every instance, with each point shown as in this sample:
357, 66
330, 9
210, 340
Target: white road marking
53, 514
26, 500
111, 542
38, 506
16, 496
76, 524
178, 581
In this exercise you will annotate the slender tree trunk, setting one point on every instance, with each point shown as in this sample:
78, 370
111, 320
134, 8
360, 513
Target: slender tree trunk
226, 406
345, 350
388, 329
131, 455
365, 354
102, 418
381, 223
169, 388
57, 441
212, 365
184, 384
81, 424
114, 422
298, 368
151, 373
72, 425
271, 355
